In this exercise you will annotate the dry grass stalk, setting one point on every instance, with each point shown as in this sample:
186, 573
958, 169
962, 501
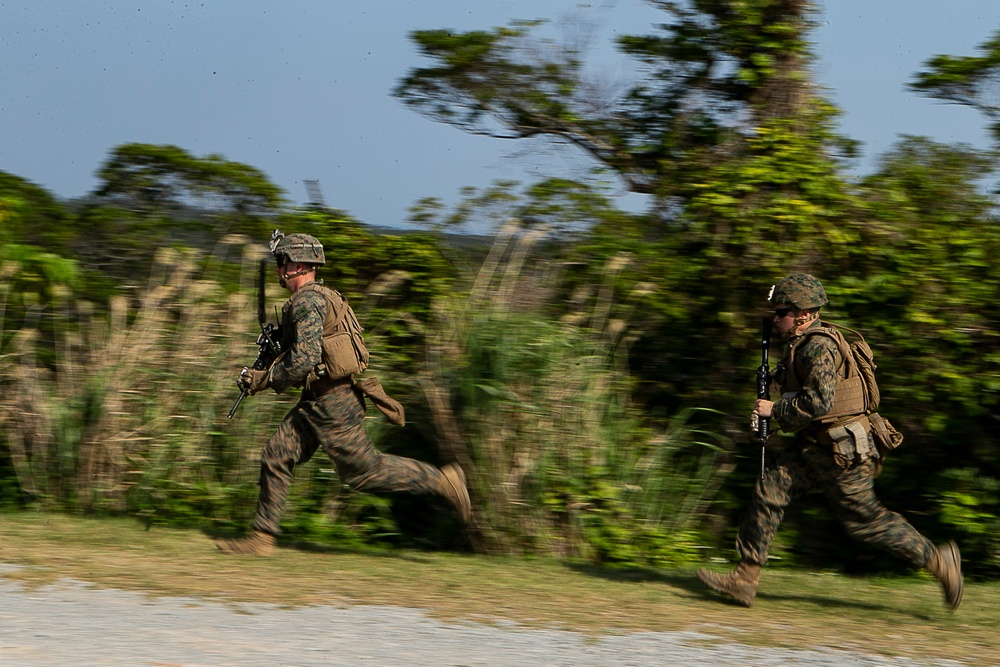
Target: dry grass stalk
134, 392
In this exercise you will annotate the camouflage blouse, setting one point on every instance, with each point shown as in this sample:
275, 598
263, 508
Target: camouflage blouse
816, 362
302, 339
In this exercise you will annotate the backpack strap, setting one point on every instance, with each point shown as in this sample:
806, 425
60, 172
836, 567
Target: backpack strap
846, 358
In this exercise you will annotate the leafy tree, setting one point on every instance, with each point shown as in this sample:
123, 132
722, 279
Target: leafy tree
29, 214
966, 80
561, 208
932, 299
726, 131
713, 74
722, 127
153, 177
36, 285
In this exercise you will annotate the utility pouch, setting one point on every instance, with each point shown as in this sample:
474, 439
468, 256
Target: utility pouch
887, 438
315, 375
390, 407
849, 442
341, 356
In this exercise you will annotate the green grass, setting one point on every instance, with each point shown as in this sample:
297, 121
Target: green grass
901, 616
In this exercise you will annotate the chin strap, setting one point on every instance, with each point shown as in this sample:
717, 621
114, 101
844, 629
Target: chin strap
283, 279
806, 318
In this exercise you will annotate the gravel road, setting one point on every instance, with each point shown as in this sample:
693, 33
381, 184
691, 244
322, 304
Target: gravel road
72, 624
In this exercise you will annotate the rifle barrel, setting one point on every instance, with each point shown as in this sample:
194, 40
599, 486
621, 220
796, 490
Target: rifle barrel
763, 380
262, 292
239, 400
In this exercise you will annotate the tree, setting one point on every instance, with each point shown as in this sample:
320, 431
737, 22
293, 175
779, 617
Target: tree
30, 214
966, 80
723, 127
718, 71
726, 131
158, 178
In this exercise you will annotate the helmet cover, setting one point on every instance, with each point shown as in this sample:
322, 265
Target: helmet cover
297, 248
799, 289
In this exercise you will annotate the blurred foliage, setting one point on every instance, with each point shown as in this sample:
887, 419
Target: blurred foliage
153, 177
965, 502
590, 368
966, 80
739, 151
538, 412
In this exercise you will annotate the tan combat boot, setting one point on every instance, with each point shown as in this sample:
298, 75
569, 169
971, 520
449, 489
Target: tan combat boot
946, 565
454, 489
740, 584
256, 543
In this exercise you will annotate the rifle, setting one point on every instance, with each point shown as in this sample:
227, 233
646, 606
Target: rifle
269, 340
763, 382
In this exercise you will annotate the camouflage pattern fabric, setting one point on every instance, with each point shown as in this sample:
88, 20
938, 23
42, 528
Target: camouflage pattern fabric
335, 424
816, 361
850, 492
302, 319
297, 248
847, 484
799, 289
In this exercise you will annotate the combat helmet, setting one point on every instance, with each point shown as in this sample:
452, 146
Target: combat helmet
297, 248
799, 289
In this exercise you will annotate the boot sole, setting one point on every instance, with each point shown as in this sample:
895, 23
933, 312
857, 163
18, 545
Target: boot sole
957, 558
455, 477
710, 579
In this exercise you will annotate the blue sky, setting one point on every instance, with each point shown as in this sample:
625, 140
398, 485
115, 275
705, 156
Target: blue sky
301, 89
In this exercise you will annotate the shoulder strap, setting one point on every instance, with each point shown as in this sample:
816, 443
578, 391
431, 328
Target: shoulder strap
833, 333
836, 327
339, 310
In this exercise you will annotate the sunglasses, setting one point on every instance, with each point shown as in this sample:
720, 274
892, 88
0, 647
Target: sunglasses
782, 312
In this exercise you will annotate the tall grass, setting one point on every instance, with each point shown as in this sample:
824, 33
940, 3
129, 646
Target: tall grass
127, 413
539, 412
131, 414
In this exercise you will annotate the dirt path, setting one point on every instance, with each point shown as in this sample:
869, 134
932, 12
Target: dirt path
72, 624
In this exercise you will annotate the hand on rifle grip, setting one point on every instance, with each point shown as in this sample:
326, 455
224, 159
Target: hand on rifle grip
252, 381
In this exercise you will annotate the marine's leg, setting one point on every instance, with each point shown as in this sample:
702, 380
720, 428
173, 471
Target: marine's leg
851, 493
781, 484
294, 443
338, 421
291, 444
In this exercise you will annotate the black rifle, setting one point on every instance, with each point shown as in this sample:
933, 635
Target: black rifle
763, 383
269, 340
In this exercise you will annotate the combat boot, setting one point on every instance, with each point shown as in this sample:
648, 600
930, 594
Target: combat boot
257, 543
946, 566
740, 584
454, 489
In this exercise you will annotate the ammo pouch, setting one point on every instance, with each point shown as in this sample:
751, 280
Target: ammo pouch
848, 441
344, 354
390, 407
887, 438
344, 351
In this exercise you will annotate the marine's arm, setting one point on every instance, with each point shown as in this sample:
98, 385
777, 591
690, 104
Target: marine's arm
305, 342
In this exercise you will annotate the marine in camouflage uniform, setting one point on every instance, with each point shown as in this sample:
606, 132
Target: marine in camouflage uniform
330, 413
842, 467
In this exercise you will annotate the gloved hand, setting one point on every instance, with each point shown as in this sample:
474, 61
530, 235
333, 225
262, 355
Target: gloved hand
251, 381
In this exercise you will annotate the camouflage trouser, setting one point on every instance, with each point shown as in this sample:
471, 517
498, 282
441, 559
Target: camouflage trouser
850, 492
335, 423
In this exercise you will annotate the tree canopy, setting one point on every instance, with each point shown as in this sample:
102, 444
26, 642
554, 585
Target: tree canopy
154, 177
